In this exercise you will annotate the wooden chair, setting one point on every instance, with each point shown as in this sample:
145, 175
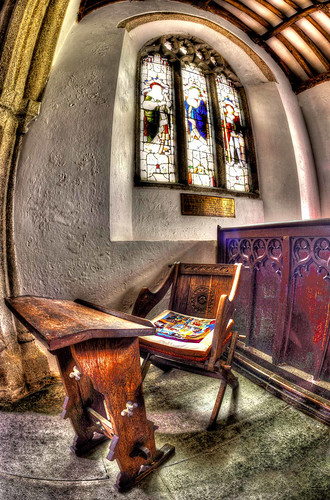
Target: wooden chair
200, 290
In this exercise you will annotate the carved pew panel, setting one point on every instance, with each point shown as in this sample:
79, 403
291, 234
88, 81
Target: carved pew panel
283, 303
261, 283
307, 335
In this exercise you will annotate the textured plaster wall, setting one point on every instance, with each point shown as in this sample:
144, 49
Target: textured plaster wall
315, 104
170, 224
63, 199
73, 198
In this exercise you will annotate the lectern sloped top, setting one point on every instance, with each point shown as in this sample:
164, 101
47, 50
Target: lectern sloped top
60, 323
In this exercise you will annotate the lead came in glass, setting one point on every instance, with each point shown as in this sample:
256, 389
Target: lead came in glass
156, 120
198, 125
238, 175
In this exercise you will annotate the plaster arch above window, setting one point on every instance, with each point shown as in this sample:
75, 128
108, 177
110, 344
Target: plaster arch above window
139, 214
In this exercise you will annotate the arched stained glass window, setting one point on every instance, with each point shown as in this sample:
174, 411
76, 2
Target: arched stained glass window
200, 157
193, 131
156, 120
238, 176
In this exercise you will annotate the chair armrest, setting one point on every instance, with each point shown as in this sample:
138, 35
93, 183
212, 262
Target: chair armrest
224, 321
148, 299
236, 283
222, 328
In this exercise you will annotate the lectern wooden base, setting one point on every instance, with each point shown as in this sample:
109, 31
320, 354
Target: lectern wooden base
99, 361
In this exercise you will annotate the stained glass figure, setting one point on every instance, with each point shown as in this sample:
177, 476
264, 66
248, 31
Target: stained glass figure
199, 128
238, 173
156, 120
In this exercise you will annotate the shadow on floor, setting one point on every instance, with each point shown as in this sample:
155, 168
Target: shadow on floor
261, 448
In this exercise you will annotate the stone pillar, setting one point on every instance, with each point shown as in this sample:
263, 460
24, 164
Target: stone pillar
23, 367
32, 28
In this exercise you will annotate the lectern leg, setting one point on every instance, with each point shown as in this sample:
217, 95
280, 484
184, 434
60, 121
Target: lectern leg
73, 407
113, 365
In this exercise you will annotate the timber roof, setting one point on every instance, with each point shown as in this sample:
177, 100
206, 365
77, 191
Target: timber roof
296, 33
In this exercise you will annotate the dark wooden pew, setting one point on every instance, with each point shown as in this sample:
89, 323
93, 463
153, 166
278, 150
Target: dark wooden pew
283, 308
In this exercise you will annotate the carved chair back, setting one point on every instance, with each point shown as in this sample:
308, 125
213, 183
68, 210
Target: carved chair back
207, 291
197, 288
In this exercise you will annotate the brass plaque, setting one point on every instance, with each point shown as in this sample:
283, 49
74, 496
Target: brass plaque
211, 206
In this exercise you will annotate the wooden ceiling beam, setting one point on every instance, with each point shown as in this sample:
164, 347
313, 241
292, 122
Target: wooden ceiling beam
292, 4
312, 46
318, 27
293, 19
243, 8
310, 72
216, 9
273, 9
308, 84
200, 4
294, 80
292, 77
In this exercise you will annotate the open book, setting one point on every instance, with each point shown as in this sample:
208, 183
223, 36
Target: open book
176, 326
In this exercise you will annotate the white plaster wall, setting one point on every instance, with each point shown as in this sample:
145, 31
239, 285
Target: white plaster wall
315, 104
73, 186
307, 177
278, 179
123, 146
157, 216
63, 193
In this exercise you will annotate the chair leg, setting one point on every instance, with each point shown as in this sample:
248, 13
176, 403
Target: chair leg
232, 380
145, 366
232, 348
165, 368
217, 404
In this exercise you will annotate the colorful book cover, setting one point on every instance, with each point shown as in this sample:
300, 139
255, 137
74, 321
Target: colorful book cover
183, 328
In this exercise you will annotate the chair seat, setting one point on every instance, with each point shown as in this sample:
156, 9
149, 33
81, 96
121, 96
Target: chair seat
181, 336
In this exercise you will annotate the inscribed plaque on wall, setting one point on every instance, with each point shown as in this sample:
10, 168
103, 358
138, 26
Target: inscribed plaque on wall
211, 206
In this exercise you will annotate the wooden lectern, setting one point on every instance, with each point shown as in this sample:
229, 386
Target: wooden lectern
98, 357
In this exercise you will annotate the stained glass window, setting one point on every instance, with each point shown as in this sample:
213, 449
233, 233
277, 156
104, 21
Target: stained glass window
200, 155
238, 177
192, 129
156, 120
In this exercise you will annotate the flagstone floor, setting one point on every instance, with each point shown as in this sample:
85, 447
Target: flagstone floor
261, 448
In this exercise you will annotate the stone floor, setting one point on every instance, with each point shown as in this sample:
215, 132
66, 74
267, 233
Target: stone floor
261, 448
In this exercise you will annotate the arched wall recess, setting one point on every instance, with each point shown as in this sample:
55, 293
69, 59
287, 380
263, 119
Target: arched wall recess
270, 127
